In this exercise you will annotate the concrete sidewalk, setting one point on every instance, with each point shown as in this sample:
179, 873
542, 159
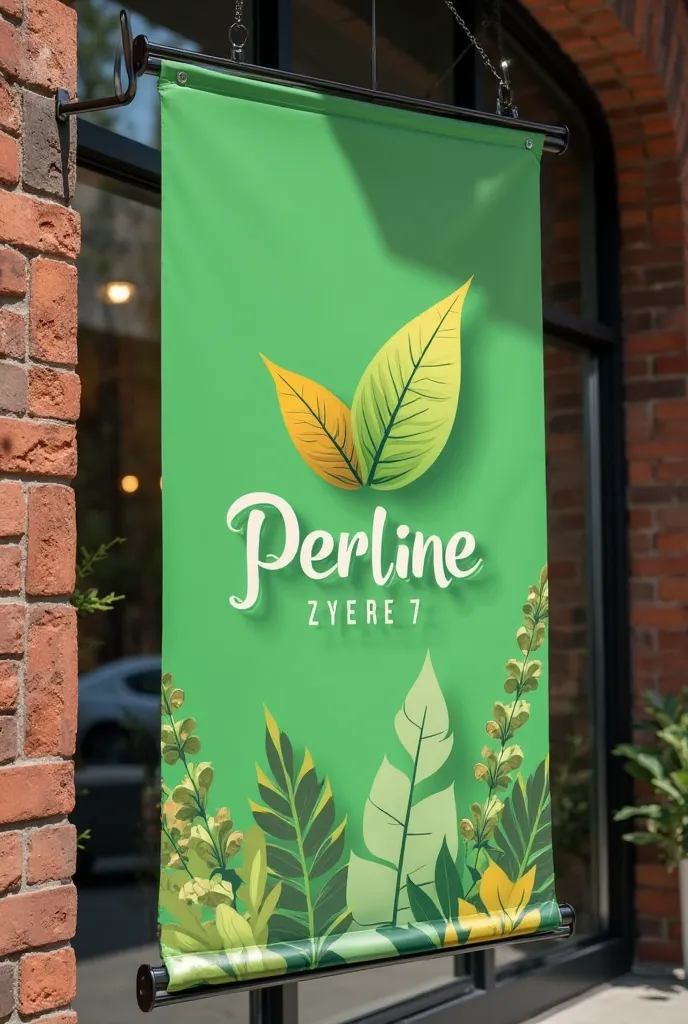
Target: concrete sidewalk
634, 999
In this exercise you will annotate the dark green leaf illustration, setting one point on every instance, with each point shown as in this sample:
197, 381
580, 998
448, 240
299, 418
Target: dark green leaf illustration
404, 833
422, 906
282, 863
524, 833
405, 404
299, 813
447, 883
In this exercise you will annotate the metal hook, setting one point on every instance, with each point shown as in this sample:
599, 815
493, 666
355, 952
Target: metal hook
238, 37
505, 97
122, 97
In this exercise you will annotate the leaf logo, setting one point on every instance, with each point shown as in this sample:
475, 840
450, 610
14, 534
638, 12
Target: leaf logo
403, 409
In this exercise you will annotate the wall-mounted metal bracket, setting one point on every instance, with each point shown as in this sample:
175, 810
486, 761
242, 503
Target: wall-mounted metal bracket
121, 97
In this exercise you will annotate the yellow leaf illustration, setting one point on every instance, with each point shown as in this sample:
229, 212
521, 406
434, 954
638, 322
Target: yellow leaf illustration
319, 424
405, 404
506, 903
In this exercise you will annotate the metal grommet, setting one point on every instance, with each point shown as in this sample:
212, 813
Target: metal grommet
529, 143
182, 77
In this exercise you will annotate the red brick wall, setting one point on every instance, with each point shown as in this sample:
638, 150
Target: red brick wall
39, 398
634, 53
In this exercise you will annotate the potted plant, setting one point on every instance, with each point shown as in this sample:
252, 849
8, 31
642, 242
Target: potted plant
662, 763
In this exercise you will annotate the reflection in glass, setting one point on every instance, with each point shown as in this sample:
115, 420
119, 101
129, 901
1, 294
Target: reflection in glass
568, 250
570, 683
337, 999
117, 811
333, 39
571, 696
200, 27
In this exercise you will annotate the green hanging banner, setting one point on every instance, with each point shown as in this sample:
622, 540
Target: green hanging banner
354, 705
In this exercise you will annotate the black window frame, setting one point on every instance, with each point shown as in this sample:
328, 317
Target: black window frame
477, 992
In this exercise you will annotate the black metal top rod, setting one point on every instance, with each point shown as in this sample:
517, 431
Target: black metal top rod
142, 57
152, 982
148, 57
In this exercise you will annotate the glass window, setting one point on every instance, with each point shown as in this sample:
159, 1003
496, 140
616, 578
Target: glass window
568, 246
118, 495
200, 27
333, 39
572, 750
118, 482
147, 682
338, 999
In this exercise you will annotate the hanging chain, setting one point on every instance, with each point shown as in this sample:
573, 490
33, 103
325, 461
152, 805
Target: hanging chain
505, 102
238, 32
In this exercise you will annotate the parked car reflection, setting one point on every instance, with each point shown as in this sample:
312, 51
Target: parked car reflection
119, 712
117, 778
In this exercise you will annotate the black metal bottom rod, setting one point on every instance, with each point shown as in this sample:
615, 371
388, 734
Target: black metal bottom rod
148, 57
152, 982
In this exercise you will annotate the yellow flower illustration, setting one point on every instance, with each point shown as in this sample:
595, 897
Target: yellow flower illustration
506, 903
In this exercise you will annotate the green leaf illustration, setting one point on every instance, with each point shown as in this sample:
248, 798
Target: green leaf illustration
260, 904
447, 883
245, 953
403, 833
422, 906
299, 813
405, 404
524, 833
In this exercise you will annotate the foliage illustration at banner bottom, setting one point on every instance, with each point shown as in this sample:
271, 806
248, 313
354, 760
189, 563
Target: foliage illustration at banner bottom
289, 894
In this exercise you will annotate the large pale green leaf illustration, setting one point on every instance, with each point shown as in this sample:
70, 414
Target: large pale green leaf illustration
403, 833
406, 401
304, 853
524, 833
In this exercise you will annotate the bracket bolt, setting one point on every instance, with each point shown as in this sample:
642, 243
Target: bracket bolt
182, 78
529, 143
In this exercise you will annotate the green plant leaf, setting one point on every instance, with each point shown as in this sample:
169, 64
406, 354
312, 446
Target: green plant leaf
321, 823
409, 940
310, 847
422, 725
406, 401
284, 928
293, 899
235, 931
182, 941
447, 883
643, 838
524, 832
308, 790
265, 913
272, 823
242, 947
332, 897
329, 853
422, 906
274, 800
283, 863
370, 891
399, 829
644, 811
